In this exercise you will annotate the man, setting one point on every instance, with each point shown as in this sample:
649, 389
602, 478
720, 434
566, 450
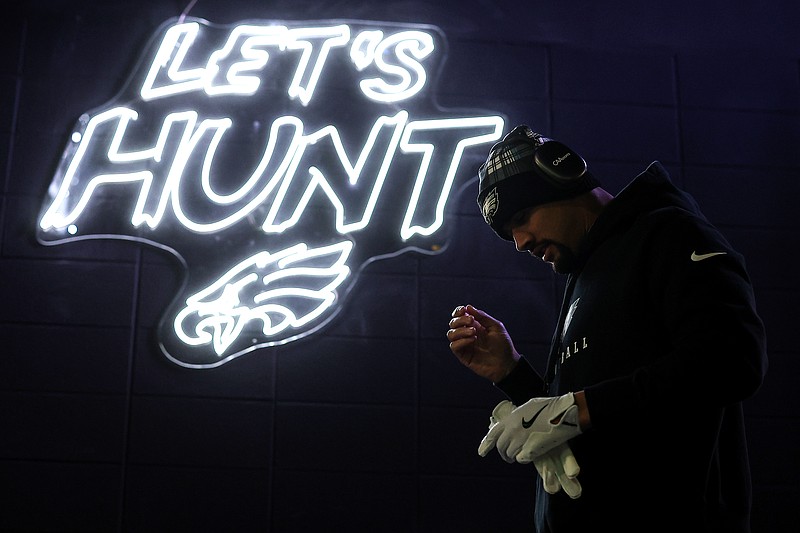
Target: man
657, 344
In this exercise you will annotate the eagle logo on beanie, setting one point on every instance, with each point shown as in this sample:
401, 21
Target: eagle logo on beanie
490, 206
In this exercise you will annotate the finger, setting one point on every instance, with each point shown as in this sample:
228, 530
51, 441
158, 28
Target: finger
489, 440
509, 446
551, 485
567, 468
522, 456
503, 444
528, 451
535, 446
462, 321
567, 460
499, 412
571, 486
458, 311
550, 479
502, 410
483, 318
459, 348
455, 334
570, 465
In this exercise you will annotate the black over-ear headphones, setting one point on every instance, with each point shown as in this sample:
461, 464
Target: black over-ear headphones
555, 161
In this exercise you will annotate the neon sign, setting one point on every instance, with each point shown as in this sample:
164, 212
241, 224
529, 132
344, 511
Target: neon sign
274, 160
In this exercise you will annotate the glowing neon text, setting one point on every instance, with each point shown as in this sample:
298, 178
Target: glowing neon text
166, 165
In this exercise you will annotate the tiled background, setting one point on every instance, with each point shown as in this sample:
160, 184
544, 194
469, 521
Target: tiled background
373, 425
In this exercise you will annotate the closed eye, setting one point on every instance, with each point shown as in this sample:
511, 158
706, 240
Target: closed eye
519, 218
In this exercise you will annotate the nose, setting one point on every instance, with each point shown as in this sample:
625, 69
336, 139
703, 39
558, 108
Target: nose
521, 239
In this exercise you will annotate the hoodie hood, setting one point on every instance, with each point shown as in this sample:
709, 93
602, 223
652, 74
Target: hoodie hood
650, 191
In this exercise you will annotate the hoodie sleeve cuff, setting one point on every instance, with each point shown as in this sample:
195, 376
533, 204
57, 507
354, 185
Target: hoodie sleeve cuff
522, 384
608, 399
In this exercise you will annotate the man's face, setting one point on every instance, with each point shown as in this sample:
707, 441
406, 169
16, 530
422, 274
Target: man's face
552, 232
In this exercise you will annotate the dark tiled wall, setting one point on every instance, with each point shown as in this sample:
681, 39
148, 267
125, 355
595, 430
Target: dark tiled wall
372, 425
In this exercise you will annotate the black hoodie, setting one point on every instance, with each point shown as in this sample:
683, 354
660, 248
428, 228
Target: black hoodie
658, 326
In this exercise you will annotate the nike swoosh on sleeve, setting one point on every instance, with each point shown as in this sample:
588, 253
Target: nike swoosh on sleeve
700, 257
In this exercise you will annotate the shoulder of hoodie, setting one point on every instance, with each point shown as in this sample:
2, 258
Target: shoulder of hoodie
674, 235
653, 199
667, 215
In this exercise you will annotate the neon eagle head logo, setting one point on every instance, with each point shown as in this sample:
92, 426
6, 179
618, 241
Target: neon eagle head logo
274, 160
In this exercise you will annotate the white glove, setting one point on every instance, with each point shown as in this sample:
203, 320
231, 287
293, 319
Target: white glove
559, 469
532, 429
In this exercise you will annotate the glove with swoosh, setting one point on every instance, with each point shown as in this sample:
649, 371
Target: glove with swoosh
533, 428
557, 468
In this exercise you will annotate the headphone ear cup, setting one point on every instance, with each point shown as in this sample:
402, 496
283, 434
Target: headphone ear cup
563, 166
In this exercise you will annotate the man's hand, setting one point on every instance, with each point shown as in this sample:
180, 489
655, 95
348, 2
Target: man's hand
557, 468
481, 343
532, 429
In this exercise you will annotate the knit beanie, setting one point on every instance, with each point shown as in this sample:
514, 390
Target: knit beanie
525, 170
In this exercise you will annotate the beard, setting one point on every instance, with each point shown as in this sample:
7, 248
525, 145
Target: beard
565, 260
